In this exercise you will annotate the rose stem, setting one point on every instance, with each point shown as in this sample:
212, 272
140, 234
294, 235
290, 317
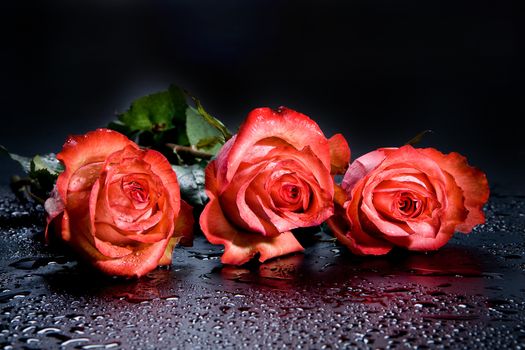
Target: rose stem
189, 150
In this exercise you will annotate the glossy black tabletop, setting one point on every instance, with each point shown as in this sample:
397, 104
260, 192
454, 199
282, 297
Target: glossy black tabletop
469, 294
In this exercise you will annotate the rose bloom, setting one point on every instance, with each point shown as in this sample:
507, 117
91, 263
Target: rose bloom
271, 177
118, 206
407, 197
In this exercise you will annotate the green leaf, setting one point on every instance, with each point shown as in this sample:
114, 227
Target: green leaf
418, 138
25, 162
178, 98
210, 142
191, 183
212, 120
44, 170
42, 182
47, 162
155, 112
201, 134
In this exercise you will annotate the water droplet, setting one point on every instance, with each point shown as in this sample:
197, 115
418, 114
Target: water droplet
48, 330
74, 341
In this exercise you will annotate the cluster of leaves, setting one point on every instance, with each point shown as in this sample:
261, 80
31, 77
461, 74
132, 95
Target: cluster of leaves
166, 122
186, 134
41, 174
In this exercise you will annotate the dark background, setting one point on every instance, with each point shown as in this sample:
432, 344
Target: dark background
377, 71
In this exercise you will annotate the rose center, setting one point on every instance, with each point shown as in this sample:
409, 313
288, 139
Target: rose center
408, 205
290, 193
135, 191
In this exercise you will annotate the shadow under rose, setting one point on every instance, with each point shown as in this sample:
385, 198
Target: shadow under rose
81, 280
459, 268
323, 265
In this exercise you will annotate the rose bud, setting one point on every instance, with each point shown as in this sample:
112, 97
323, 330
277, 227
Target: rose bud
271, 177
116, 205
407, 197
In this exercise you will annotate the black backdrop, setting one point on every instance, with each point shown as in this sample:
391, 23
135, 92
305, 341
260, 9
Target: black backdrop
377, 71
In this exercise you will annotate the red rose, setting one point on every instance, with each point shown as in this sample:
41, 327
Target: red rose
119, 204
271, 177
407, 197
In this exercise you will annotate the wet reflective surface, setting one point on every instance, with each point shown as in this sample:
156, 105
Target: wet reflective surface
469, 294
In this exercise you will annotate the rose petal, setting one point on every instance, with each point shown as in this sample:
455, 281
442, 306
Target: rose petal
210, 177
240, 246
339, 154
286, 124
76, 234
54, 206
424, 229
136, 264
239, 207
340, 196
111, 250
472, 182
408, 185
184, 224
166, 258
221, 163
360, 168
162, 168
81, 242
283, 244
350, 232
110, 233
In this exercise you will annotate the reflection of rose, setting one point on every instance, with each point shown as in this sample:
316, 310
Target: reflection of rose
407, 197
119, 204
271, 177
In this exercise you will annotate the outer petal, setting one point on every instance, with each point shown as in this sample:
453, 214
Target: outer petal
54, 207
472, 181
291, 126
78, 240
137, 264
93, 147
237, 205
162, 168
168, 252
184, 224
240, 246
133, 264
221, 163
346, 226
339, 154
210, 178
361, 167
